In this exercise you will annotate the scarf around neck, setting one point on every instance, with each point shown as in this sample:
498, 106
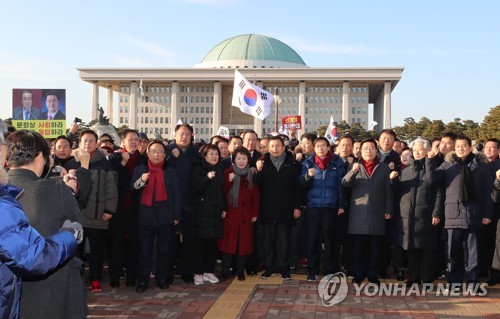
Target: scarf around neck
278, 160
369, 166
234, 192
323, 162
155, 188
466, 191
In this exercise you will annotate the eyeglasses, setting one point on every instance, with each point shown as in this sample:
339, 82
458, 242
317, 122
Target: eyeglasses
368, 149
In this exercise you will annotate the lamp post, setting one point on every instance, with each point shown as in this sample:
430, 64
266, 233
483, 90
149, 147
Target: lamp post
277, 101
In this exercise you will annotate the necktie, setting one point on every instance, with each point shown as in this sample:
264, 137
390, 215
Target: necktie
50, 117
26, 115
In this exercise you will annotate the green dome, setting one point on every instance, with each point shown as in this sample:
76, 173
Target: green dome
254, 47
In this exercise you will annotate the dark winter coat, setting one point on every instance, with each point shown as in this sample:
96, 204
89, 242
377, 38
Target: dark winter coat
371, 199
280, 191
324, 189
24, 252
83, 176
103, 195
209, 202
125, 194
420, 201
463, 215
183, 166
162, 213
48, 203
238, 226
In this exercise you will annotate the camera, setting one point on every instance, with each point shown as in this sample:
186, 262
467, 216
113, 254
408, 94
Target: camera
77, 120
55, 172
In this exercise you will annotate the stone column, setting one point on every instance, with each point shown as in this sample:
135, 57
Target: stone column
387, 104
109, 107
345, 102
174, 108
257, 123
95, 100
302, 108
132, 116
217, 114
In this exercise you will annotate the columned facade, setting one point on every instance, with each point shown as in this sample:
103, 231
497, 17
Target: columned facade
95, 99
302, 106
174, 115
109, 106
387, 105
132, 116
202, 97
217, 106
345, 101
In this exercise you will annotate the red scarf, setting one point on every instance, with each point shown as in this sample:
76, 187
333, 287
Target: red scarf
369, 166
323, 162
155, 188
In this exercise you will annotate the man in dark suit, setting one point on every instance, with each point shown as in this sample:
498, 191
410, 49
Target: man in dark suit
26, 111
53, 112
250, 143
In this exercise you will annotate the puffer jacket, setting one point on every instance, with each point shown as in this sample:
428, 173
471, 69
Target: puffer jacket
23, 251
463, 215
420, 201
103, 195
209, 201
324, 189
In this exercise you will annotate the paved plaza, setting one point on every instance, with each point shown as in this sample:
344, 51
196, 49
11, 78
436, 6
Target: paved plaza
274, 298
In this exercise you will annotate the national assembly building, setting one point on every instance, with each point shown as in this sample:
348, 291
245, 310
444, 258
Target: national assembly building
153, 100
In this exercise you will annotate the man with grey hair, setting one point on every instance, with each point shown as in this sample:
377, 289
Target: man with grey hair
425, 143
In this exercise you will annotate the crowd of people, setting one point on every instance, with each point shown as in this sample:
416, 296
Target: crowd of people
263, 206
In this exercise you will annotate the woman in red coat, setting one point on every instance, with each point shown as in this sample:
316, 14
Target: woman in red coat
243, 210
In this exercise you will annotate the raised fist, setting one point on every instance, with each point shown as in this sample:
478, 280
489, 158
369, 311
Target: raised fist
355, 167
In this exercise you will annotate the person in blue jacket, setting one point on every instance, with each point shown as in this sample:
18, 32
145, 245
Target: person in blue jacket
23, 251
321, 176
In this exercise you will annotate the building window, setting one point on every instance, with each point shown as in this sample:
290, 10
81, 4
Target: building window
353, 110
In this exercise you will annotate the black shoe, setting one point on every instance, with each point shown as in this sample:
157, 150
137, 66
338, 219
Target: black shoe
492, 281
376, 282
114, 283
130, 283
312, 278
241, 276
267, 274
163, 284
187, 279
286, 276
357, 281
251, 272
400, 275
494, 277
141, 287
